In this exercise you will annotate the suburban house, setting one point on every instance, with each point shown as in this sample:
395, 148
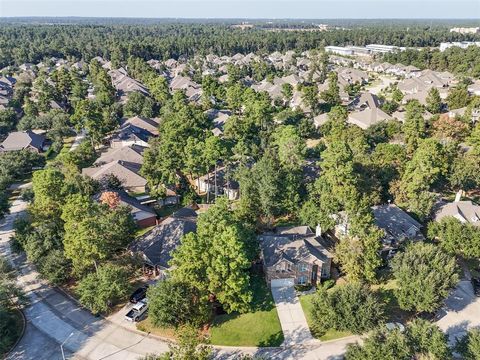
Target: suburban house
143, 215
156, 246
295, 255
320, 120
124, 84
368, 117
19, 140
170, 197
130, 135
400, 115
132, 153
219, 119
396, 224
150, 125
221, 185
465, 211
127, 172
365, 100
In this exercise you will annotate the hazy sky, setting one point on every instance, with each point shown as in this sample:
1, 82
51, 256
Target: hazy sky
311, 9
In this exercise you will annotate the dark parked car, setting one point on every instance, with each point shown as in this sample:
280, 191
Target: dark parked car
476, 286
139, 294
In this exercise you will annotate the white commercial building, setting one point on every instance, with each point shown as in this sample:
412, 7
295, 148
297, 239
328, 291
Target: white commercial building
339, 50
378, 48
461, 44
463, 30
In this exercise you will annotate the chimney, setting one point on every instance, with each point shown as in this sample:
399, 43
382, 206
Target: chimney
318, 230
458, 197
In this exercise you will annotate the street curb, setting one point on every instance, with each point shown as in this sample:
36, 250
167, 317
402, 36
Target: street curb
139, 332
21, 334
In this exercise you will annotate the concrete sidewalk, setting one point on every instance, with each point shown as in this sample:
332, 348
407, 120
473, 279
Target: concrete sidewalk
52, 317
292, 319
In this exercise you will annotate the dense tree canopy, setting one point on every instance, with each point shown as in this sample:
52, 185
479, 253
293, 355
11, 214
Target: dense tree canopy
420, 340
156, 40
350, 307
425, 274
215, 260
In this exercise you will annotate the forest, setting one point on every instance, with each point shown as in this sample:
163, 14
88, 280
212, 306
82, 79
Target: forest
290, 171
32, 42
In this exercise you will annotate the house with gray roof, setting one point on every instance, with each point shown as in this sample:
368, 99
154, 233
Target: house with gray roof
128, 173
365, 100
131, 153
464, 211
148, 124
413, 85
7, 81
368, 117
130, 134
297, 255
219, 119
143, 215
19, 140
220, 182
395, 223
156, 246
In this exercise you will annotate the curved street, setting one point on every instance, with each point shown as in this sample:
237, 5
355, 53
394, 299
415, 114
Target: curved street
53, 318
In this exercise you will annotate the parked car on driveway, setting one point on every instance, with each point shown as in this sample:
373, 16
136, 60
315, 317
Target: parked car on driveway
137, 311
139, 294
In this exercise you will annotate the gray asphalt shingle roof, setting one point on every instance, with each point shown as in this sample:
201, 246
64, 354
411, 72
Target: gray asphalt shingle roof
19, 140
157, 245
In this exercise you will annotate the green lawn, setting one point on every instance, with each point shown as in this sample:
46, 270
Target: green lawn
260, 327
146, 326
306, 301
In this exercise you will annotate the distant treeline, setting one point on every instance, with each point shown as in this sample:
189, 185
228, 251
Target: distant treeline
27, 42
455, 60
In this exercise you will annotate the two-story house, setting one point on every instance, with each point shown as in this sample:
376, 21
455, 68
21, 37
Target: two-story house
295, 255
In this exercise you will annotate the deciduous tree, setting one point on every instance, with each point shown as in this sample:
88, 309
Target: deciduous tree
425, 275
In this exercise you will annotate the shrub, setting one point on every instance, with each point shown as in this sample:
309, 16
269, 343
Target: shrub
103, 288
172, 303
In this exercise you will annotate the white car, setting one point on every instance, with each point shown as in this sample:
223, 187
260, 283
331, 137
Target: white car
137, 311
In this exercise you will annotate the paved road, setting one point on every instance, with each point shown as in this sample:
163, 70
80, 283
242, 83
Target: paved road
78, 139
461, 311
292, 319
52, 317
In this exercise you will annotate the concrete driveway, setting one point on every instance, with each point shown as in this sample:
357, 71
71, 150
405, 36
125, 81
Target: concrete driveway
461, 311
292, 319
52, 317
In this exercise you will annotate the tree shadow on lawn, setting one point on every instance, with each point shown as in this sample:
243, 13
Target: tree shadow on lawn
262, 303
273, 340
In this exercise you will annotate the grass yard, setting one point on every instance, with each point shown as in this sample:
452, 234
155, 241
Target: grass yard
146, 326
306, 301
261, 327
